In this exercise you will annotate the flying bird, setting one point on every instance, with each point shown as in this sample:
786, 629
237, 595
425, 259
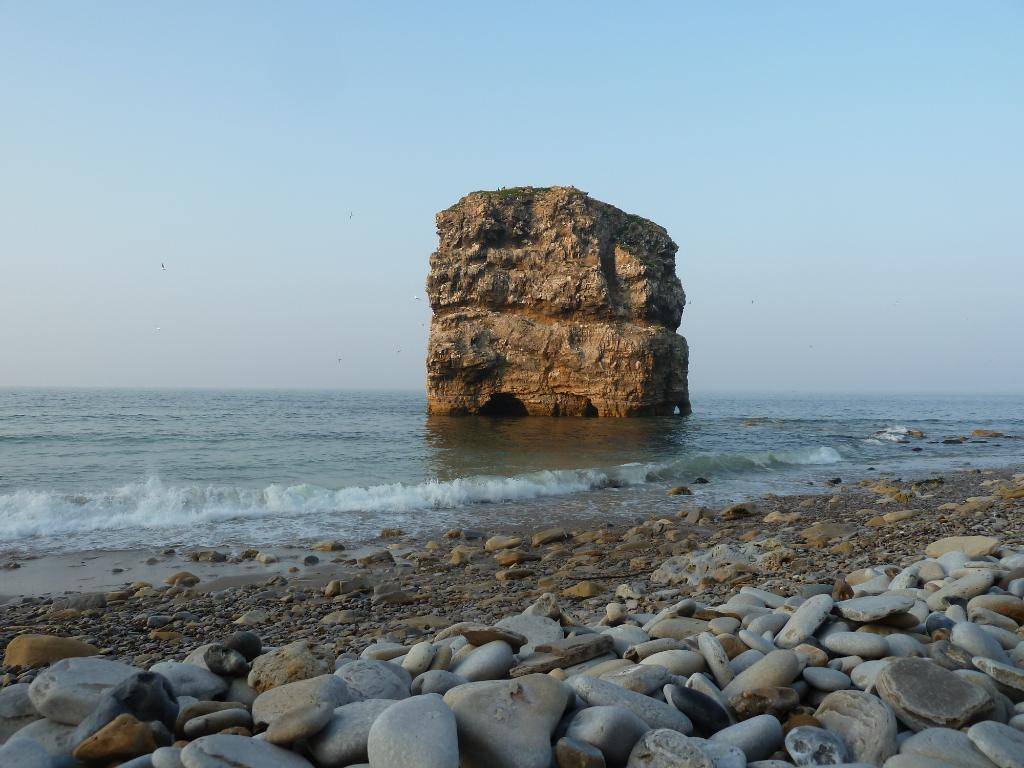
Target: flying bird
163, 267
415, 298
350, 214
156, 328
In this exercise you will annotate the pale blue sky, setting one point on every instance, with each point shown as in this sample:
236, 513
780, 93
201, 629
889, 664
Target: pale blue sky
854, 168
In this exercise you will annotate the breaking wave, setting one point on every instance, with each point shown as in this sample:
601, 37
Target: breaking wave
154, 504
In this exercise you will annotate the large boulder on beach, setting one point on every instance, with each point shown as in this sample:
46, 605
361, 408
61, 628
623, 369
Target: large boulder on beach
548, 302
508, 723
288, 664
69, 690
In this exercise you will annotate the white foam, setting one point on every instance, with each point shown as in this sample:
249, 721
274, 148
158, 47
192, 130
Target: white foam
893, 434
153, 504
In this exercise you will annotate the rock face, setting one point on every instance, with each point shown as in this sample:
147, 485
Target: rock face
548, 302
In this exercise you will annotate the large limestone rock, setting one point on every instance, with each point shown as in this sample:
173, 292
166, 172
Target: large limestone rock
548, 302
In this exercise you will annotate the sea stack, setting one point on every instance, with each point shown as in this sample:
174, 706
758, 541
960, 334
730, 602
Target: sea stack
549, 303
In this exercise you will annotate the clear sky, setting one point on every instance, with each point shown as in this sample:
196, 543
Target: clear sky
844, 180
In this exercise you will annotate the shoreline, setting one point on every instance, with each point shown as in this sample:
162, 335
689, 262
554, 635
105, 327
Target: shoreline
432, 585
735, 633
89, 570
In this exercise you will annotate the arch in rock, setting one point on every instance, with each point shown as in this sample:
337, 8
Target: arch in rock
503, 404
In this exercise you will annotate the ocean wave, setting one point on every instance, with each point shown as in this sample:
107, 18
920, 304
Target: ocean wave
893, 434
154, 504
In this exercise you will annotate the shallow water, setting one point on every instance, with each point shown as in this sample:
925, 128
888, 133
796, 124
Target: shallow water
82, 469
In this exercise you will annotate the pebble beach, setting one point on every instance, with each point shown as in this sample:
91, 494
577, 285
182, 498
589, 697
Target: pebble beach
878, 623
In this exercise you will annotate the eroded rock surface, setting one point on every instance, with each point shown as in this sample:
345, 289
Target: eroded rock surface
548, 302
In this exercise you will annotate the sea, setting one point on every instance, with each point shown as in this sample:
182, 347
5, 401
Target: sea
112, 469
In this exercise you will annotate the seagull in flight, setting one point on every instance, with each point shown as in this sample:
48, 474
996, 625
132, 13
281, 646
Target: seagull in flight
163, 267
415, 298
339, 359
156, 328
398, 351
350, 214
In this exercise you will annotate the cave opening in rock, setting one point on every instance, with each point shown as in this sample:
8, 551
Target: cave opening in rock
503, 404
589, 409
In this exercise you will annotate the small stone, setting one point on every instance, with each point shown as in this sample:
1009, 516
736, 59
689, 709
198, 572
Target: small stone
182, 579
924, 695
216, 722
657, 714
329, 545
1000, 743
166, 757
344, 740
778, 668
478, 634
368, 679
583, 590
536, 629
38, 650
417, 660
508, 723
16, 710
56, 738
190, 680
874, 607
564, 653
815, 746
640, 678
121, 739
716, 658
222, 660
68, 690
146, 696
863, 644
299, 723
805, 621
253, 617
663, 748
1010, 676
977, 642
759, 737
287, 664
225, 751
973, 584
972, 546
678, 628
613, 730
677, 661
276, 702
415, 733
866, 724
496, 543
826, 679
491, 661
945, 745
570, 753
436, 681
706, 714
27, 753
549, 536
